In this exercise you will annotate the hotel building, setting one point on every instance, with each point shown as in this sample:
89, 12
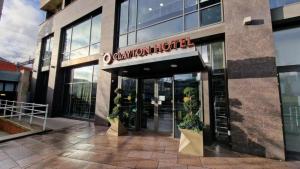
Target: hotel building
241, 57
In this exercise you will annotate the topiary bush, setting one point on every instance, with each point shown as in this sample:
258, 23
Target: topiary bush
191, 107
117, 110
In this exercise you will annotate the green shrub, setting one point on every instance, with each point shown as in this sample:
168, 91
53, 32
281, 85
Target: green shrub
191, 121
117, 110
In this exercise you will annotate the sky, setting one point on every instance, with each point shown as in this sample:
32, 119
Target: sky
19, 27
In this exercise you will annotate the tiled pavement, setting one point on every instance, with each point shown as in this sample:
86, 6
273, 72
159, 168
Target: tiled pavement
84, 147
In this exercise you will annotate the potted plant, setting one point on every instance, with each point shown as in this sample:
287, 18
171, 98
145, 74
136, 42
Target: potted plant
191, 127
115, 118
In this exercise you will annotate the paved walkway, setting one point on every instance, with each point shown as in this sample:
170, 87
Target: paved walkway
84, 147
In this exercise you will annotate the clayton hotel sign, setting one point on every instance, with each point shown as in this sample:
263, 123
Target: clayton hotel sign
182, 43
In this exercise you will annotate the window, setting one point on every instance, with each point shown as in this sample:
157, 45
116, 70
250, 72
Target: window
47, 50
280, 3
83, 39
143, 20
1, 86
80, 92
287, 47
9, 87
290, 98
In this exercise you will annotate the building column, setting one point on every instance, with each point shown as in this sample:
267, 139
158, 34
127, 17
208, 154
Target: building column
106, 80
254, 103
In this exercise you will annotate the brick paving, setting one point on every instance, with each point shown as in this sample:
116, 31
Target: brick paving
85, 147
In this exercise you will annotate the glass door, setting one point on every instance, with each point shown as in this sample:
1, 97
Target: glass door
157, 111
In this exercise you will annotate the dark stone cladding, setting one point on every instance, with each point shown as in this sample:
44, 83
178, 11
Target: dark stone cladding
256, 120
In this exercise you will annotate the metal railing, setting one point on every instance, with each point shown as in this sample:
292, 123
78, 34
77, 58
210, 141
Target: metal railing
13, 109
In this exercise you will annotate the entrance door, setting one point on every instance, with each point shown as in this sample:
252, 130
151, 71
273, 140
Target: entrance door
157, 110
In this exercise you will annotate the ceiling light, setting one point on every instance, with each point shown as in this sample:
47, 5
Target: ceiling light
161, 4
150, 9
125, 71
147, 69
174, 66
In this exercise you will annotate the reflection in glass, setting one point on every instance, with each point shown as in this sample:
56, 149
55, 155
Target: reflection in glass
83, 39
124, 17
210, 15
290, 96
131, 38
287, 47
80, 92
218, 63
161, 30
147, 18
148, 107
191, 21
180, 83
123, 41
280, 3
154, 11
129, 102
47, 51
81, 35
190, 5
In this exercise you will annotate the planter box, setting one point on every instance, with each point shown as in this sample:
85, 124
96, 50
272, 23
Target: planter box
116, 128
191, 143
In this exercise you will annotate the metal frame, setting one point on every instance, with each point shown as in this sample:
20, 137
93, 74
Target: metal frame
18, 109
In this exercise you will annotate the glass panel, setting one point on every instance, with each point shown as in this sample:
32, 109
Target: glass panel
210, 15
81, 35
67, 45
161, 30
279, 3
80, 100
129, 103
150, 12
165, 106
95, 49
190, 5
96, 29
205, 52
180, 83
9, 87
287, 47
132, 15
290, 96
148, 108
80, 94
217, 57
206, 3
79, 53
83, 74
123, 41
1, 86
191, 21
124, 17
131, 38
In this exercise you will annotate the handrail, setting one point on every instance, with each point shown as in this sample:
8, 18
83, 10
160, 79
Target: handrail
11, 109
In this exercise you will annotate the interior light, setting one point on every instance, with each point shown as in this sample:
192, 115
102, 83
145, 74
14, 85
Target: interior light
174, 66
147, 69
161, 4
150, 9
125, 71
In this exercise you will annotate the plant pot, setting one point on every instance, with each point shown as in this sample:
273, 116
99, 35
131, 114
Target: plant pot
191, 143
116, 127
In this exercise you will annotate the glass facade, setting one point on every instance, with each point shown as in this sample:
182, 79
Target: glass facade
288, 61
80, 92
82, 39
290, 97
143, 20
280, 3
46, 51
129, 103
